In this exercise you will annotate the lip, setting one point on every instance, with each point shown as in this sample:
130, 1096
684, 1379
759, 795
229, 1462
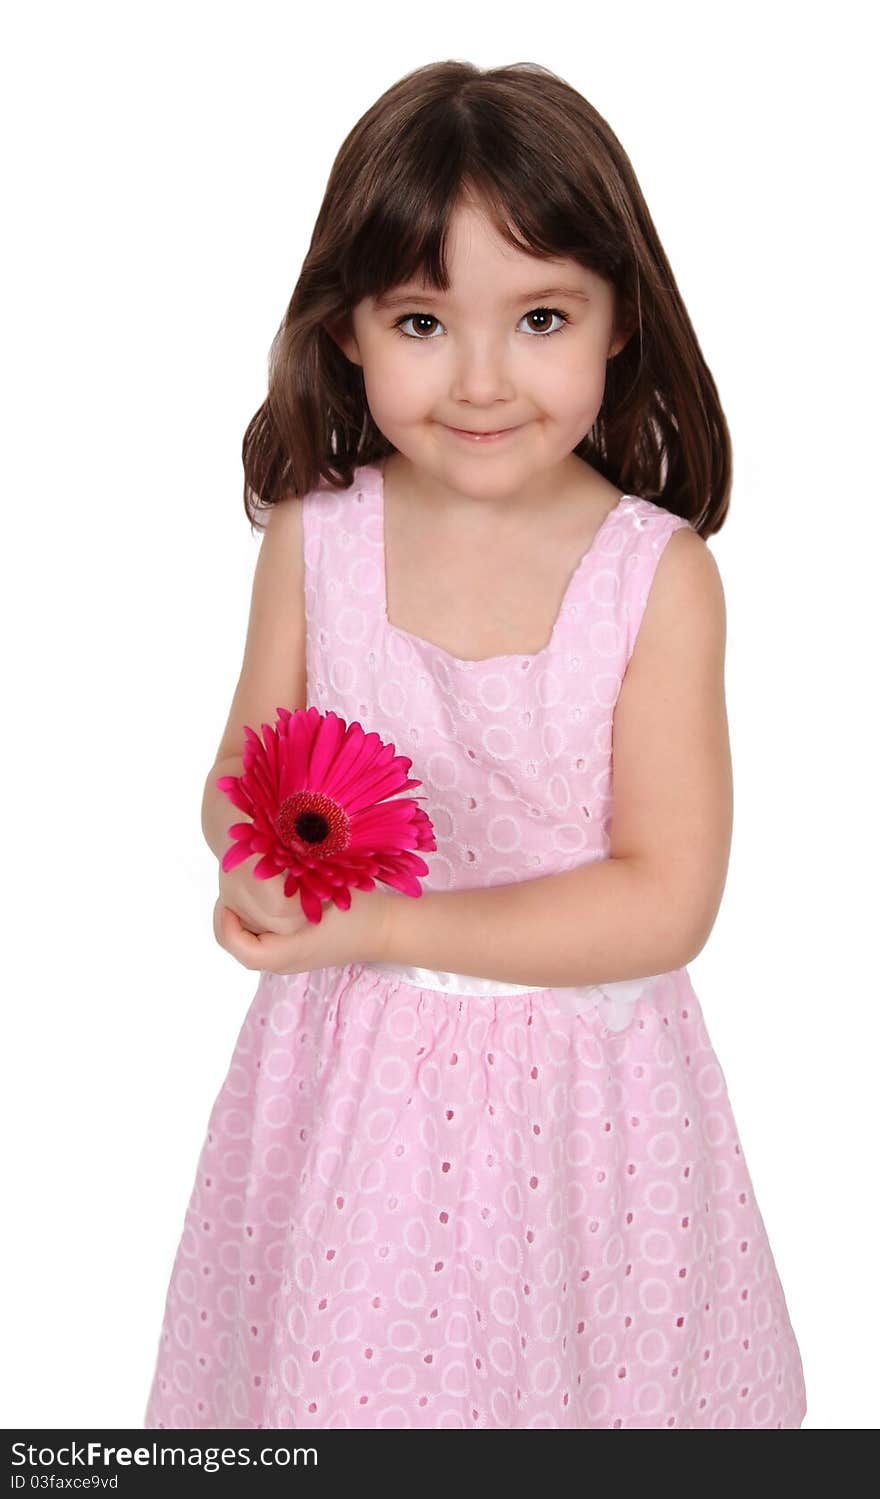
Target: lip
483, 437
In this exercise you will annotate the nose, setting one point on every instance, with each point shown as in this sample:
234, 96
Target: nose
481, 373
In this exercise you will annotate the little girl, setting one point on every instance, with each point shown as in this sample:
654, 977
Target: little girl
474, 1163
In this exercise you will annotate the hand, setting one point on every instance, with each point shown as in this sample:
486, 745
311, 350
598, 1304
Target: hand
260, 905
358, 935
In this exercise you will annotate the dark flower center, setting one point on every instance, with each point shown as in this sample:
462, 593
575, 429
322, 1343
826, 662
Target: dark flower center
311, 823
312, 827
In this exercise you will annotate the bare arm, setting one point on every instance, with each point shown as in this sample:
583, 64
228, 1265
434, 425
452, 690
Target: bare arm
218, 812
590, 925
273, 672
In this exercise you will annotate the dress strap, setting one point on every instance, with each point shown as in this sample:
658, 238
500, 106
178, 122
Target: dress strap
609, 592
650, 528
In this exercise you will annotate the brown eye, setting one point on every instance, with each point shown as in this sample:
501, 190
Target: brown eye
546, 312
414, 317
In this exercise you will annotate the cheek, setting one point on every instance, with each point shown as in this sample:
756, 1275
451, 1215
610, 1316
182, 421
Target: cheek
397, 387
576, 387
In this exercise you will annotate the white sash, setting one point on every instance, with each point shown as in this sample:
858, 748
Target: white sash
616, 1000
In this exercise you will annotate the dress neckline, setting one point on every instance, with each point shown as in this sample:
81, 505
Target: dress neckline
582, 567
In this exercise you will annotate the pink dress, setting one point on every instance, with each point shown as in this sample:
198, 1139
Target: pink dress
432, 1200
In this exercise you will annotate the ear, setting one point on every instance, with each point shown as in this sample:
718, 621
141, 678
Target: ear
341, 333
625, 323
623, 332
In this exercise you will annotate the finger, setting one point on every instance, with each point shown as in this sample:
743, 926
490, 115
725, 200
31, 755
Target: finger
259, 951
217, 917
229, 932
228, 921
235, 937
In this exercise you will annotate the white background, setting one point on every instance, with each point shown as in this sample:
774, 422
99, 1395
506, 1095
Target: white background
163, 168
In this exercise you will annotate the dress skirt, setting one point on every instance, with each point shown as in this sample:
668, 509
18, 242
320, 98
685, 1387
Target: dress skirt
429, 1200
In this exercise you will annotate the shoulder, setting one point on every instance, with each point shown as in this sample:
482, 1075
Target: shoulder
282, 512
284, 525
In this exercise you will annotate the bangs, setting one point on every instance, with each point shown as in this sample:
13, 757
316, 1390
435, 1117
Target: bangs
403, 237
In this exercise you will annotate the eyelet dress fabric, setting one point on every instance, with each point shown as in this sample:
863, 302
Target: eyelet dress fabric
433, 1200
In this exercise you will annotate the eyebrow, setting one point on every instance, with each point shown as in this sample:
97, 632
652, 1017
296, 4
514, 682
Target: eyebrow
403, 299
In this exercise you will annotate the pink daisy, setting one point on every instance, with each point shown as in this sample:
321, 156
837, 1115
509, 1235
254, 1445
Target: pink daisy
317, 792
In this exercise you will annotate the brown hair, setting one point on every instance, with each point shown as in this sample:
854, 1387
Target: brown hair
535, 154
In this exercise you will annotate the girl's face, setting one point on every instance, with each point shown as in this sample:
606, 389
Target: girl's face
502, 349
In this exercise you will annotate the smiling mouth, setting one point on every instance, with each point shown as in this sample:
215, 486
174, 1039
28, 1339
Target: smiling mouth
477, 436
